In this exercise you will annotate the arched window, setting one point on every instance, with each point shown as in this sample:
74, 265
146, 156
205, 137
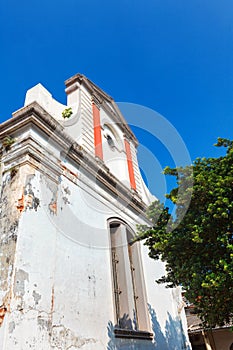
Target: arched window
110, 136
129, 287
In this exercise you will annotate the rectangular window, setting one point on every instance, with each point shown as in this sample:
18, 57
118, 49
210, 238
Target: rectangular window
129, 286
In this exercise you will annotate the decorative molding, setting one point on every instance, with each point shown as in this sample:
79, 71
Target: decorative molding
100, 98
31, 152
34, 154
88, 84
72, 88
96, 99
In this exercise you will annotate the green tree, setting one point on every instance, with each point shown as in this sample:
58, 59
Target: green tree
197, 244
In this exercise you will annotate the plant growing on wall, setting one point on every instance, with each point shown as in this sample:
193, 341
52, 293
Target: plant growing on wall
7, 142
13, 172
67, 113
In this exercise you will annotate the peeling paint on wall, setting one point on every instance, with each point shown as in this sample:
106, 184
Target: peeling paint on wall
9, 220
69, 174
19, 283
20, 205
36, 297
11, 327
49, 194
65, 192
9, 217
63, 338
28, 199
53, 207
44, 323
3, 311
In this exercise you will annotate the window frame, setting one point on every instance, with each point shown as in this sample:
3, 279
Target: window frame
140, 311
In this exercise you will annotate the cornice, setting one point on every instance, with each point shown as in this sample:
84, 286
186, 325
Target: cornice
96, 99
100, 97
82, 79
72, 88
101, 173
34, 114
29, 151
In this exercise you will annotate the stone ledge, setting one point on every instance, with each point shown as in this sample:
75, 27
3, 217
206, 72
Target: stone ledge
128, 333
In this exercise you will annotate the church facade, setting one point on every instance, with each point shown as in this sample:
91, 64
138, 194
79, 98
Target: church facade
72, 275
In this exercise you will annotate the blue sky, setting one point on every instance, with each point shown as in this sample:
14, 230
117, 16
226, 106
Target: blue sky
175, 57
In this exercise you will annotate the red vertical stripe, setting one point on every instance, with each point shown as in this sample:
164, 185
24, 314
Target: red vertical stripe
130, 165
97, 132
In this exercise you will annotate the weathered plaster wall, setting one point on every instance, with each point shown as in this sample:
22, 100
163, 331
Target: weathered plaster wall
56, 279
16, 196
62, 294
56, 283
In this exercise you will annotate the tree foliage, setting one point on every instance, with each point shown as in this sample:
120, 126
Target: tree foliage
198, 250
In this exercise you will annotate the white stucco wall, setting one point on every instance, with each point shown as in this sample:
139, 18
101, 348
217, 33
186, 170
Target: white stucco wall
61, 291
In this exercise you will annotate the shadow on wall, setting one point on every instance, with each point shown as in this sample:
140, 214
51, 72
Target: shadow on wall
174, 338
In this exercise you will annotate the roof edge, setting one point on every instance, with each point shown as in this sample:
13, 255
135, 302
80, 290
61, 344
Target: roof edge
103, 97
